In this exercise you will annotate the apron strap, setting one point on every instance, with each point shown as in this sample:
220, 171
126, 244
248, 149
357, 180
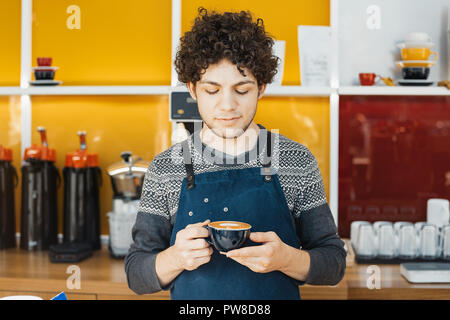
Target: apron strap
188, 165
267, 161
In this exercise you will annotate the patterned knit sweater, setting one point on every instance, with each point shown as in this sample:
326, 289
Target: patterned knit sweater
302, 185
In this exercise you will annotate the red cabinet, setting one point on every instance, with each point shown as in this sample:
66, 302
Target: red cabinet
394, 154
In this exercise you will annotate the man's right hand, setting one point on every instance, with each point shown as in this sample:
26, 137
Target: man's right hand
189, 251
190, 248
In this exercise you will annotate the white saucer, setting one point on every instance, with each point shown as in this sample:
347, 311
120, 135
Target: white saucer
403, 45
45, 82
44, 68
417, 63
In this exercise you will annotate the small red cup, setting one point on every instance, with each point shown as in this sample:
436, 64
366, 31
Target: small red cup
367, 79
44, 61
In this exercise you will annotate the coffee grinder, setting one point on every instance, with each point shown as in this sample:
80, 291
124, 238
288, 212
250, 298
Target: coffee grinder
127, 178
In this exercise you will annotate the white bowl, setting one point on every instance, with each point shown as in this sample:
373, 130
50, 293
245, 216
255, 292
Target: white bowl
21, 298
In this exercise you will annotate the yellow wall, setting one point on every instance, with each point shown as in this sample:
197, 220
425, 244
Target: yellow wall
118, 43
10, 43
129, 43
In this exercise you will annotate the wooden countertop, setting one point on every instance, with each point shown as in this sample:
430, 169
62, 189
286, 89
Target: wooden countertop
103, 277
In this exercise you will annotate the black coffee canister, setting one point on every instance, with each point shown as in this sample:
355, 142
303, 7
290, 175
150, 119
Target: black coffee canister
74, 204
8, 182
93, 183
82, 180
40, 181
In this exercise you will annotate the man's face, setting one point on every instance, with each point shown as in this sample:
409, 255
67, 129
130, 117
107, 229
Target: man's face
226, 99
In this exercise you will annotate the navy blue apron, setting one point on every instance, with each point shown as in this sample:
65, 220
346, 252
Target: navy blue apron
251, 195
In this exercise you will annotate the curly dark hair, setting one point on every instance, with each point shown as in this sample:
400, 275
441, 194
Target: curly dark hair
233, 36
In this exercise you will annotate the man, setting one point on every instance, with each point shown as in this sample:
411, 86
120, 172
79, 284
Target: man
232, 169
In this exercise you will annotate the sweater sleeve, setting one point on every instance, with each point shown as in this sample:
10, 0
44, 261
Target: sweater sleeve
317, 230
151, 234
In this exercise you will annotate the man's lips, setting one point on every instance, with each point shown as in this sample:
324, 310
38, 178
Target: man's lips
228, 119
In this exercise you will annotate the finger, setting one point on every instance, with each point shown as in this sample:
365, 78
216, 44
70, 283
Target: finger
202, 260
263, 236
198, 243
196, 232
199, 224
199, 253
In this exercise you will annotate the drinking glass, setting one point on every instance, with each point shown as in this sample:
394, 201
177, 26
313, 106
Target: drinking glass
407, 241
366, 242
354, 228
446, 242
429, 245
386, 241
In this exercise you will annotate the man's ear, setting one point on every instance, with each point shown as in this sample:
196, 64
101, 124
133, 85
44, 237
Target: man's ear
191, 88
261, 90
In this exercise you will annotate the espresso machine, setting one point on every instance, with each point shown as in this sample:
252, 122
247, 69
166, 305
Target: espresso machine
8, 182
127, 179
40, 181
183, 114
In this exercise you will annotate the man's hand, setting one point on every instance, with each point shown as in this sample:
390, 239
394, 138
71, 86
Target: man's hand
190, 250
272, 255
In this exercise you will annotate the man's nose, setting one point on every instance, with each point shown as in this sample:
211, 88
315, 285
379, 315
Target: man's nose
227, 101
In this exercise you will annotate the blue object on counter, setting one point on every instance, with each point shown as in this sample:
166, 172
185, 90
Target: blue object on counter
60, 296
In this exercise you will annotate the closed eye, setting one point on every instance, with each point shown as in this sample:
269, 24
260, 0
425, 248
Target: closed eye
214, 92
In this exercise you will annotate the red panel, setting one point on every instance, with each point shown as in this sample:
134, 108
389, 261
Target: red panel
394, 154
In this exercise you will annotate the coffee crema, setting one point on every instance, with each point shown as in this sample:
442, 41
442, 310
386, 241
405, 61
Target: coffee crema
230, 225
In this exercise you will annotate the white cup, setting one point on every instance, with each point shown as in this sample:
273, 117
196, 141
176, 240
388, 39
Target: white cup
366, 242
446, 242
386, 241
417, 37
399, 224
378, 224
407, 241
354, 227
438, 212
429, 242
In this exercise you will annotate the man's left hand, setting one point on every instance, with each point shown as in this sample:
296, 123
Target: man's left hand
272, 255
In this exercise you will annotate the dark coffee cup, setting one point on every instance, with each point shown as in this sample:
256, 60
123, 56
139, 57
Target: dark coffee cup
415, 73
228, 235
45, 74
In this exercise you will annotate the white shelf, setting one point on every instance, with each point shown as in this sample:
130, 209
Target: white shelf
287, 91
271, 91
10, 91
297, 91
394, 91
98, 90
